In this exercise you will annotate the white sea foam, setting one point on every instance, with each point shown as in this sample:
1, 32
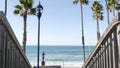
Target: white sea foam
61, 63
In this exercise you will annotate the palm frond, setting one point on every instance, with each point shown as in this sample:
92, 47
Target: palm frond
81, 1
16, 12
117, 7
19, 7
25, 5
22, 1
32, 11
85, 2
21, 14
100, 16
30, 4
75, 1
94, 16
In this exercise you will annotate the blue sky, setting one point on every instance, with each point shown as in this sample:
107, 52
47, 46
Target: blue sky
60, 23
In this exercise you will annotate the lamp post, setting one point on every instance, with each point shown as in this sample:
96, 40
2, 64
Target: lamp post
39, 13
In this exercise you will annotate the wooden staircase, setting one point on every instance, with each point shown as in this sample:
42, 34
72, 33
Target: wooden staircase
106, 53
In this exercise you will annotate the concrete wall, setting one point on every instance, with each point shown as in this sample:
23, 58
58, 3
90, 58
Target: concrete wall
11, 53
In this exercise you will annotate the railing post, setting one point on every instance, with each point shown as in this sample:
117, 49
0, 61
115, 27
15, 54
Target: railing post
95, 61
110, 52
99, 56
4, 52
107, 54
1, 47
104, 55
115, 49
101, 50
118, 37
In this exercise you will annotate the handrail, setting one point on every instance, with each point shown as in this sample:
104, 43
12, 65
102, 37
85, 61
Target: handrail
111, 27
6, 26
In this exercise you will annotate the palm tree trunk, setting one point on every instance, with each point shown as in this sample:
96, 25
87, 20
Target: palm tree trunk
98, 32
5, 7
113, 9
82, 30
107, 11
25, 32
114, 12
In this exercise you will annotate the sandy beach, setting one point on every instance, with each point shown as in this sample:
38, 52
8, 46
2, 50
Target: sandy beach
63, 64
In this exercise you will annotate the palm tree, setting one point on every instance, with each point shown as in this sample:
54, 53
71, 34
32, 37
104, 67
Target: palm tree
117, 7
113, 5
97, 14
24, 9
5, 7
81, 3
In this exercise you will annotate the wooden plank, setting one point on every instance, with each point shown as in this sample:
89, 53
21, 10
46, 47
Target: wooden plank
110, 52
115, 49
107, 54
118, 37
7, 58
4, 50
104, 53
13, 55
102, 56
1, 49
97, 61
99, 58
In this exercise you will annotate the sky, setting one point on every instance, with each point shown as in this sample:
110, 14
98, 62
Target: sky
60, 23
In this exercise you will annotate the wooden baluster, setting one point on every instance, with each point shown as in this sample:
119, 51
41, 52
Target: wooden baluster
110, 52
101, 56
115, 49
107, 54
104, 54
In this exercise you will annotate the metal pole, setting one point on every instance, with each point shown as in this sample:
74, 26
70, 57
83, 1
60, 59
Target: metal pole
39, 8
5, 7
38, 42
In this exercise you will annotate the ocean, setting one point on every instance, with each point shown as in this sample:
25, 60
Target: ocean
66, 56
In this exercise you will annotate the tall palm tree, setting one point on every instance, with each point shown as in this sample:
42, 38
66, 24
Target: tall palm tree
113, 5
97, 14
5, 7
24, 9
81, 3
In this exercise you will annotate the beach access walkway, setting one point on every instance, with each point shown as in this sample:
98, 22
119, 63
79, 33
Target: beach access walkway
11, 53
106, 53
